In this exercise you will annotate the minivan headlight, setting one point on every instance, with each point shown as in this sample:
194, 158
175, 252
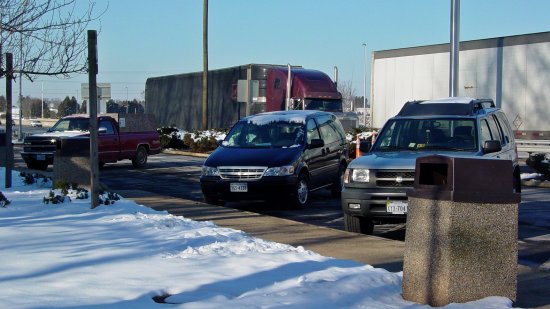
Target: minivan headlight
210, 171
280, 171
357, 175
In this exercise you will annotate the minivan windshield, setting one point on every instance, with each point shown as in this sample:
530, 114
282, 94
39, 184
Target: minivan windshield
274, 134
447, 134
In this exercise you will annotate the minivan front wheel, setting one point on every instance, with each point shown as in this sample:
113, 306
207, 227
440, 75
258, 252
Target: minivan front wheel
300, 196
358, 224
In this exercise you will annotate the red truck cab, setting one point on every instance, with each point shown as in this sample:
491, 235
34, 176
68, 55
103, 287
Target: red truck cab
310, 89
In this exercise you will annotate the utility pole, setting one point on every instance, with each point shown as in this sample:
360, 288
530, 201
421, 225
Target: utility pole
9, 120
205, 65
42, 102
455, 48
365, 89
92, 72
20, 137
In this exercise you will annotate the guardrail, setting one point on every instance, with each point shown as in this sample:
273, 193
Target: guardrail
533, 146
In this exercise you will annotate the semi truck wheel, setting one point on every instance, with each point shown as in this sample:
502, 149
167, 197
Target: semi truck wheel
140, 159
358, 224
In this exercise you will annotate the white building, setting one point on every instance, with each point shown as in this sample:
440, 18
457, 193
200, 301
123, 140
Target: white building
514, 71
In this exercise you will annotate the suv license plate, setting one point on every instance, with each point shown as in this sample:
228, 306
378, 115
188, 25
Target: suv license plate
239, 187
40, 157
396, 207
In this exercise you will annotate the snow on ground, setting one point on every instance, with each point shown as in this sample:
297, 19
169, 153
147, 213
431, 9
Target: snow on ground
527, 176
198, 135
122, 255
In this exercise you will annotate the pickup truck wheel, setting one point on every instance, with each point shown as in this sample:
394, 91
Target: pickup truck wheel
300, 196
140, 159
358, 224
336, 189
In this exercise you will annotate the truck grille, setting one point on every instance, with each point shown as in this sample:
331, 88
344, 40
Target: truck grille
241, 172
39, 146
395, 178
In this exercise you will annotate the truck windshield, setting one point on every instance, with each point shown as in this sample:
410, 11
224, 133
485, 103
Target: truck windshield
280, 134
71, 124
428, 134
323, 105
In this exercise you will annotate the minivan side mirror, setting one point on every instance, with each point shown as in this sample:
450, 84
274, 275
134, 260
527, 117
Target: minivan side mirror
102, 130
316, 143
492, 146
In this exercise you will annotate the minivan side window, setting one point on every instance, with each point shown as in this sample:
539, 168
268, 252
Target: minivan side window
328, 131
312, 132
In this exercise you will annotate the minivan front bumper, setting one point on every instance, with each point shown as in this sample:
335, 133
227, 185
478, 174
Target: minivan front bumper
265, 188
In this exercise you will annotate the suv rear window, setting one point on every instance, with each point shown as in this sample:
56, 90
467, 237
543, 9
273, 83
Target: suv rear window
450, 134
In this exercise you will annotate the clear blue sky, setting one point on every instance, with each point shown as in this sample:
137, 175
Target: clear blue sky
141, 39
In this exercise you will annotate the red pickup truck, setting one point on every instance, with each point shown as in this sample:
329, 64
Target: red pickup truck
114, 145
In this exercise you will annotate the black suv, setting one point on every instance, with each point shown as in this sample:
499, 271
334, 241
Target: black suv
375, 184
284, 154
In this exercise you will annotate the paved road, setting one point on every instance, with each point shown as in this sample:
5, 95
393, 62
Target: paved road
177, 176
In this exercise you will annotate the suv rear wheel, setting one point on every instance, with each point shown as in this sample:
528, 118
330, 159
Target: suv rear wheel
358, 224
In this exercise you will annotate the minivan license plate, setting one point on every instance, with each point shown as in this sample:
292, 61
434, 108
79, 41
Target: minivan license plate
40, 157
396, 207
239, 187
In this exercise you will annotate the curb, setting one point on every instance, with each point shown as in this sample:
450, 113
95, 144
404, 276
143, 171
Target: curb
535, 183
186, 153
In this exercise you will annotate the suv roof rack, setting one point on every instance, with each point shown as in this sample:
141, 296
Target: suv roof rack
440, 107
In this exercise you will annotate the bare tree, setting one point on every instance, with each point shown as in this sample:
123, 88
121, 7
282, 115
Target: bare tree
345, 87
49, 34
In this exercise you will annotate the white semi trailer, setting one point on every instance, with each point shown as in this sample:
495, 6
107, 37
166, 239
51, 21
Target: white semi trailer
514, 71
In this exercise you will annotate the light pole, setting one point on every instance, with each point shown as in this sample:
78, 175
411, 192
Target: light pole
42, 102
365, 88
126, 93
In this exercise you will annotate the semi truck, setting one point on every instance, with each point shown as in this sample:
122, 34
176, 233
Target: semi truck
240, 91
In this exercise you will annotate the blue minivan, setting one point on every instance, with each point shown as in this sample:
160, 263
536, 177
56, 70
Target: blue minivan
281, 155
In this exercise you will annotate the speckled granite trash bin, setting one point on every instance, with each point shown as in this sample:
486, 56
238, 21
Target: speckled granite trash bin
72, 162
461, 237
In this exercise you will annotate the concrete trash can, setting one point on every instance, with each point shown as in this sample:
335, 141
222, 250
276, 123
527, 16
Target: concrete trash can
461, 235
72, 161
